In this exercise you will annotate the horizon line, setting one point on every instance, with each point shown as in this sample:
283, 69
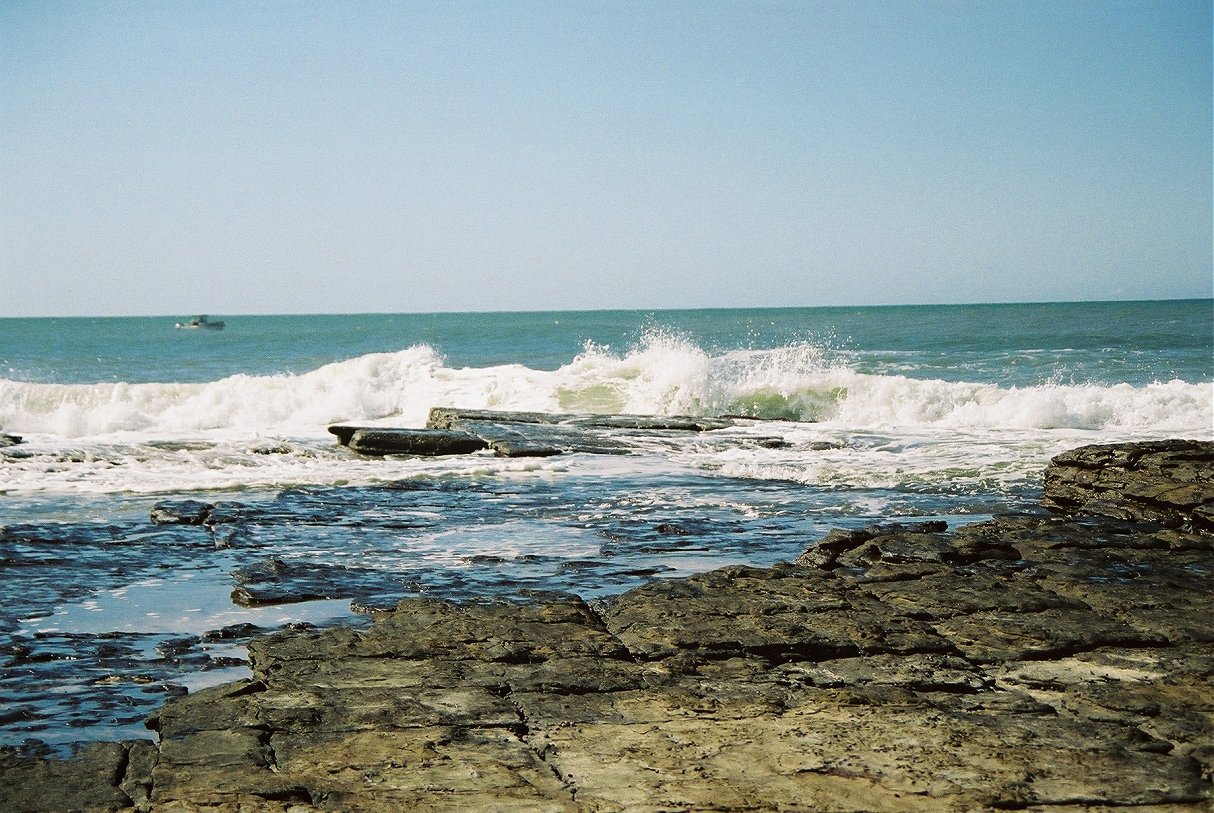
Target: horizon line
507, 311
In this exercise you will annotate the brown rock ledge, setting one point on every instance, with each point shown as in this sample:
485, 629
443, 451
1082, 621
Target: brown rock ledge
1028, 662
1165, 481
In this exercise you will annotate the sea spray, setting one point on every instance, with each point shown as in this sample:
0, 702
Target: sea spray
667, 374
663, 374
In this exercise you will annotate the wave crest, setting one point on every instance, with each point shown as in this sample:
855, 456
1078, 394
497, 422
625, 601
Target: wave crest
664, 373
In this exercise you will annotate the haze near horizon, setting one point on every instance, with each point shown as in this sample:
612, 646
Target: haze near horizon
416, 157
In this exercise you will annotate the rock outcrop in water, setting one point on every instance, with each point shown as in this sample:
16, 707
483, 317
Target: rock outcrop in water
521, 434
1029, 662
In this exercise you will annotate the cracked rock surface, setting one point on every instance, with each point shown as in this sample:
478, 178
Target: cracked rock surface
1028, 662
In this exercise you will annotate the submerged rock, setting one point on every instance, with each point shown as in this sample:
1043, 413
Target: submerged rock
273, 581
181, 512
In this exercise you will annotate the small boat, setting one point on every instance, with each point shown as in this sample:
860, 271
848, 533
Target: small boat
200, 322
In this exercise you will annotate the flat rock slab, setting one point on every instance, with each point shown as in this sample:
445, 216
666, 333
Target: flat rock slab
522, 434
423, 442
450, 418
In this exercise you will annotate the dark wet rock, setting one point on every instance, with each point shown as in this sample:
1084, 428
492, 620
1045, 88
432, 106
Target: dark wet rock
425, 442
176, 647
1026, 662
274, 581
916, 547
227, 513
371, 605
825, 554
7, 440
343, 432
181, 512
234, 632
85, 535
271, 448
512, 445
1168, 481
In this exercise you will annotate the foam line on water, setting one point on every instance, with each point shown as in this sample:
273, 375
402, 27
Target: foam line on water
663, 374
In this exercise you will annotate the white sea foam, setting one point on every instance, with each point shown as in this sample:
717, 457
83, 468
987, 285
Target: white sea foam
112, 428
663, 375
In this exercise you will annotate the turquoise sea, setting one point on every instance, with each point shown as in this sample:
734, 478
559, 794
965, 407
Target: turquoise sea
882, 413
1095, 342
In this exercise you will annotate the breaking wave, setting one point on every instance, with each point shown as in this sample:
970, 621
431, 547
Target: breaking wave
663, 374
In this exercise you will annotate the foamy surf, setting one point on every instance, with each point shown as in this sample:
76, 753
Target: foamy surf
265, 431
662, 376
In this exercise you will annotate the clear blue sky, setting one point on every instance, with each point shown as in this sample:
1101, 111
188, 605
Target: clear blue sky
296, 157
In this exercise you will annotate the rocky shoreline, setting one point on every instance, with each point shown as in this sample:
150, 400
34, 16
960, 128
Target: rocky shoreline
1061, 660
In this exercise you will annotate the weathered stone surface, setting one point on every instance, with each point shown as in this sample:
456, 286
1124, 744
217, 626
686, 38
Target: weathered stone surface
1168, 481
1028, 662
8, 440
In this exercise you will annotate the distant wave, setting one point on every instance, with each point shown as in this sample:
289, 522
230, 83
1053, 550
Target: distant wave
663, 374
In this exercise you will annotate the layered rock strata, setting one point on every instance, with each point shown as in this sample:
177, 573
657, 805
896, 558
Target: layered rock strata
1167, 481
1028, 662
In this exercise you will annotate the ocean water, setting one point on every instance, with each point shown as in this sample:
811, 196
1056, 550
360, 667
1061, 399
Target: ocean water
883, 413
